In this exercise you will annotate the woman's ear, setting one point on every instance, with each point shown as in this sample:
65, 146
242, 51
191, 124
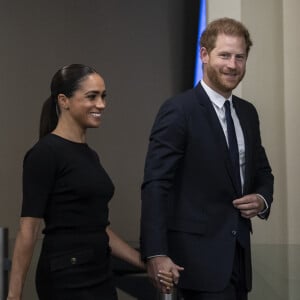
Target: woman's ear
63, 101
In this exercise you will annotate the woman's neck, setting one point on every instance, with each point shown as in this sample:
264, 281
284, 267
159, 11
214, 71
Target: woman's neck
73, 134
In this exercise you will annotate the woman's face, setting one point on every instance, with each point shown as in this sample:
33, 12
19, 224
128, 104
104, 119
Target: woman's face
86, 105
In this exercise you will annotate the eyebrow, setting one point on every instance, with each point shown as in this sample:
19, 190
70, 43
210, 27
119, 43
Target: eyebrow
95, 92
228, 52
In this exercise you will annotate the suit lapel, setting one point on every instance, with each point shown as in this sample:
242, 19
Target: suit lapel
242, 115
217, 131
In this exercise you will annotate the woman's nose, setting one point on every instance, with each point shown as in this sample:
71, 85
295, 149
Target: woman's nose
101, 103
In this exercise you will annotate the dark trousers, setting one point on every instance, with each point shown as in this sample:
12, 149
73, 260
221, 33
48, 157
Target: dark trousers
236, 290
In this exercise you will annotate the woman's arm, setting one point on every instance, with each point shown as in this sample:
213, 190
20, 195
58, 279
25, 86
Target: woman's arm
123, 251
23, 250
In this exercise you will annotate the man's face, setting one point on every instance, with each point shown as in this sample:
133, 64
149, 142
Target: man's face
225, 65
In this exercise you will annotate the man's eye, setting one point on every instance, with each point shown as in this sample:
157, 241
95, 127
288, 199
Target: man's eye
240, 57
225, 55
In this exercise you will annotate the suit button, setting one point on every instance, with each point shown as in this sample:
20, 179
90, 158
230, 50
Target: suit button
73, 260
234, 232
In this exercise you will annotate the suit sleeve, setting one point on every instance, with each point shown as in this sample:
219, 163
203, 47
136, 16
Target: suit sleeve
166, 149
263, 178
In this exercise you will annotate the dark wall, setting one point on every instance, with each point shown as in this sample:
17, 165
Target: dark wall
143, 49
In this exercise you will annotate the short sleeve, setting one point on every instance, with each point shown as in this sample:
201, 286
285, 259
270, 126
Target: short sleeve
38, 180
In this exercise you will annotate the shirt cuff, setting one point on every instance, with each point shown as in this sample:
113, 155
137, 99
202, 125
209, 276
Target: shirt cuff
262, 213
152, 256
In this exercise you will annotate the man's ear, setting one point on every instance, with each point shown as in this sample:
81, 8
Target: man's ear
204, 55
63, 101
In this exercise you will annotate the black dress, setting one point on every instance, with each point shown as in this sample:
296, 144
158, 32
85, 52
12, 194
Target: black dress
65, 184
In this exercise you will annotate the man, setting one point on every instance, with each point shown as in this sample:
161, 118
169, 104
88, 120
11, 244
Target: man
206, 176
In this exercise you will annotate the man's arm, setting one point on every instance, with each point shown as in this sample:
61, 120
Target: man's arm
166, 148
259, 202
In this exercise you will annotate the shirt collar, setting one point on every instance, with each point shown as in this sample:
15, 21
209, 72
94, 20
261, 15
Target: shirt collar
215, 97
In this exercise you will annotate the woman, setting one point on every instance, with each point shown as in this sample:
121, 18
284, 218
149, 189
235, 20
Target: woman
65, 185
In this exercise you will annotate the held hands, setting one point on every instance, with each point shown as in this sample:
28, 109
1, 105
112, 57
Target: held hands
166, 281
249, 205
163, 273
13, 298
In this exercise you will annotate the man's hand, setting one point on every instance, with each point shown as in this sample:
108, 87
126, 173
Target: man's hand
249, 205
158, 264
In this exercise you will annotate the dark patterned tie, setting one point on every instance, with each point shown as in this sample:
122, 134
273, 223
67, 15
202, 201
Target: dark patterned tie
233, 146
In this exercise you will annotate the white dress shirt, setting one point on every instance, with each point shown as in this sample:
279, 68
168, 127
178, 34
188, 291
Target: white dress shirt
218, 104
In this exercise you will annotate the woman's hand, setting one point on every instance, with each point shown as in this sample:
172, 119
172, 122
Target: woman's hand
165, 266
166, 279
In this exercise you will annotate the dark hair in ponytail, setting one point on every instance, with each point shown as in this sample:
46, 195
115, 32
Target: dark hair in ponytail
65, 81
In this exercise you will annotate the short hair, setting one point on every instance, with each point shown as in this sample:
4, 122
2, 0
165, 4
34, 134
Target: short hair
225, 26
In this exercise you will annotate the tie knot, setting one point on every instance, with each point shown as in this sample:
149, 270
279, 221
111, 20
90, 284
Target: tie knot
227, 105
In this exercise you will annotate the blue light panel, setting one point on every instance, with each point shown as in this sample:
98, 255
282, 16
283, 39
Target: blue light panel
201, 27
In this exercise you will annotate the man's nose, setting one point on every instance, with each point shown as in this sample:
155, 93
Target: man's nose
232, 62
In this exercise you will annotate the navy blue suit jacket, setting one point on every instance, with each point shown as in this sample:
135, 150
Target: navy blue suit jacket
188, 189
